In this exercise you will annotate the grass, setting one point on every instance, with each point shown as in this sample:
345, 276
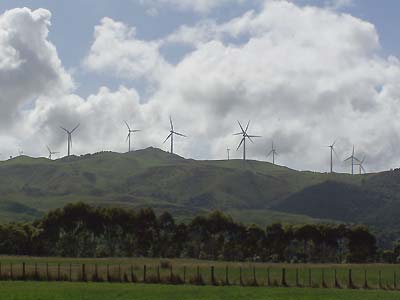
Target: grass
120, 291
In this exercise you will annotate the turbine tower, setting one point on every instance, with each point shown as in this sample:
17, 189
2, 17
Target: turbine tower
51, 152
273, 152
245, 136
130, 131
228, 151
332, 148
171, 135
352, 158
69, 133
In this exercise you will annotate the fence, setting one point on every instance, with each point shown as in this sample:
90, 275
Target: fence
202, 275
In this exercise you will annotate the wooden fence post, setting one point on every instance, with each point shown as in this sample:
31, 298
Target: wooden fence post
323, 283
350, 280
47, 272
158, 274
268, 277
58, 273
11, 271
380, 279
70, 272
394, 280
297, 277
337, 285
144, 273
365, 279
226, 275
212, 275
36, 272
283, 282
96, 273
23, 271
184, 274
309, 278
240, 276
254, 276
171, 274
132, 274
84, 272
119, 273
108, 273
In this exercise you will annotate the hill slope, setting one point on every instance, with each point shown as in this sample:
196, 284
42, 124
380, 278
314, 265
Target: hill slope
253, 192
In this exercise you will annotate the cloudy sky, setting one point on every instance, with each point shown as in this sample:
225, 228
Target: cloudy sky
305, 73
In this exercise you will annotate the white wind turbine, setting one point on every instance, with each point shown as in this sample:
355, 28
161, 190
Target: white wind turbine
69, 133
172, 132
245, 136
273, 152
128, 138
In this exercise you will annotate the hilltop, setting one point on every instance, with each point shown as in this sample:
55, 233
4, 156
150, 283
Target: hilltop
254, 191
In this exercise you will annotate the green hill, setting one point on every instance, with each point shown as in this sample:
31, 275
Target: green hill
254, 191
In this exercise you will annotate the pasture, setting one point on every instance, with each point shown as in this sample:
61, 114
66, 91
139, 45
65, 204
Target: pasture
123, 291
199, 272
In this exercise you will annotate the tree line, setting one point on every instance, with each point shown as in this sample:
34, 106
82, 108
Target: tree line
81, 230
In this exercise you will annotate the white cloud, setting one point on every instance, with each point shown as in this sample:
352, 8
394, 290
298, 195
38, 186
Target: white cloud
29, 65
304, 76
116, 49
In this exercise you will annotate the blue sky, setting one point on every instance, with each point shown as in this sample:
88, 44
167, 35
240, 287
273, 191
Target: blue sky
305, 72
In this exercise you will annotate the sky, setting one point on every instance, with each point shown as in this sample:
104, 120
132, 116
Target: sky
305, 72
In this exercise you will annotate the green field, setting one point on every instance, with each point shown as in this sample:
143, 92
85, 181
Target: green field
125, 291
378, 276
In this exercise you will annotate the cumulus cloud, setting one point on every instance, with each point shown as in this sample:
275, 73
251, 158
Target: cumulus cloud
29, 64
116, 49
305, 76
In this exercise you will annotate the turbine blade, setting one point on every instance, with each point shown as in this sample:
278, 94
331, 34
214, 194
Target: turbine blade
253, 136
241, 127
241, 142
167, 138
239, 133
177, 133
247, 127
270, 152
334, 151
135, 130
127, 126
64, 129
348, 158
48, 148
172, 125
127, 137
76, 127
249, 138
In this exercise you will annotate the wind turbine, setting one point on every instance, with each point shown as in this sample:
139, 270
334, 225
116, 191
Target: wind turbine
361, 166
130, 131
171, 135
51, 152
332, 147
244, 136
70, 137
228, 151
352, 158
273, 152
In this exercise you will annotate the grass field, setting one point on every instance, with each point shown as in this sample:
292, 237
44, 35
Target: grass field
125, 291
378, 276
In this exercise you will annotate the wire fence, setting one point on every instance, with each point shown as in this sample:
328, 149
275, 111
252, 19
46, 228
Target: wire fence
203, 275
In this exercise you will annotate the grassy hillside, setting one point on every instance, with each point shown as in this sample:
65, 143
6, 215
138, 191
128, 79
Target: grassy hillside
254, 191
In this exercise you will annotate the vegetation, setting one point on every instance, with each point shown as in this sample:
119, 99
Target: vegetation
121, 291
254, 192
80, 230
